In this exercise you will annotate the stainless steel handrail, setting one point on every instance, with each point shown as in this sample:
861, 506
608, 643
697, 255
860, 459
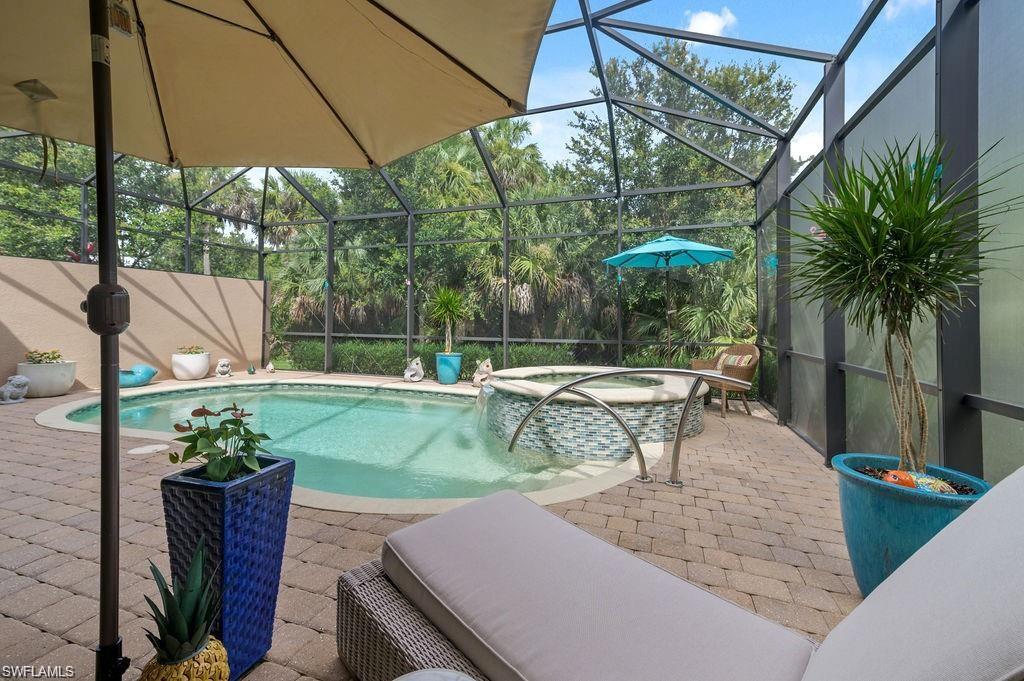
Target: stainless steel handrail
698, 376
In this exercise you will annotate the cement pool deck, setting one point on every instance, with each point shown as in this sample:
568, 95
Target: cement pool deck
757, 521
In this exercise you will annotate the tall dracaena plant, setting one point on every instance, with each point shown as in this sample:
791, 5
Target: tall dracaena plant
447, 307
891, 245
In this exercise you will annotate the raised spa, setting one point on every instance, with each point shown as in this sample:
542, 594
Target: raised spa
573, 427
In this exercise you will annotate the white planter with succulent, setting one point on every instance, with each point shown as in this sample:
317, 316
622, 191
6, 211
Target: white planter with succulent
190, 363
49, 374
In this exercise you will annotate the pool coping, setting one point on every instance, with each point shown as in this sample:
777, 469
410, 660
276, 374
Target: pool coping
517, 381
589, 477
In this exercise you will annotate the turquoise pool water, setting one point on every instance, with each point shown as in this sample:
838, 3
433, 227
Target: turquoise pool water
371, 443
605, 383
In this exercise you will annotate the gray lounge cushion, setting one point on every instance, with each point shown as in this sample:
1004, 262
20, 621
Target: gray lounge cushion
953, 611
527, 596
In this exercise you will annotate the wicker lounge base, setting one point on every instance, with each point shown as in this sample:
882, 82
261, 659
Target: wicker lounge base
381, 635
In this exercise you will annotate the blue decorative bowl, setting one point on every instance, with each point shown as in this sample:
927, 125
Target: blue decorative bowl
243, 523
449, 366
138, 375
884, 523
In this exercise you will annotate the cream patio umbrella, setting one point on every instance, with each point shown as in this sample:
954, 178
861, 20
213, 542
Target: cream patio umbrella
310, 83
313, 83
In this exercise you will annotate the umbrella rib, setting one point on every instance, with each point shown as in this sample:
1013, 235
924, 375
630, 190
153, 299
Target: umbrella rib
210, 15
519, 107
171, 158
288, 53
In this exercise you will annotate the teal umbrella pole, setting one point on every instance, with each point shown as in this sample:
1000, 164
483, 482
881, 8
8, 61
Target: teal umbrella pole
668, 313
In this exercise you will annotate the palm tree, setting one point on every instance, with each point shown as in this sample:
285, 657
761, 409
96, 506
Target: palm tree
517, 164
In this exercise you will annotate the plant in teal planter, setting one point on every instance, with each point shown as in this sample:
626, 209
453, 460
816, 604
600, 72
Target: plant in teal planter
893, 245
446, 308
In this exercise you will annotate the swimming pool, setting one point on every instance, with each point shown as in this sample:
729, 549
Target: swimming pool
362, 442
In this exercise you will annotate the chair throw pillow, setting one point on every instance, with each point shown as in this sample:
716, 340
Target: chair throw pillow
734, 361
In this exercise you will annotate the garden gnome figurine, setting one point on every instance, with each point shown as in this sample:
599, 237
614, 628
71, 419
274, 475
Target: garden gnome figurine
223, 367
414, 372
483, 373
270, 367
15, 389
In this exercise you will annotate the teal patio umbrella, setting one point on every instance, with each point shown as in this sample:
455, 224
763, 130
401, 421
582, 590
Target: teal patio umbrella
665, 253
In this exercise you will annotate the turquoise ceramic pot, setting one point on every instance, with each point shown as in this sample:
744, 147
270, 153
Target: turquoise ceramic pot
449, 365
885, 524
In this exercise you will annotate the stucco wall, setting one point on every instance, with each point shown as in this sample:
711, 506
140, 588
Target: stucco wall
39, 309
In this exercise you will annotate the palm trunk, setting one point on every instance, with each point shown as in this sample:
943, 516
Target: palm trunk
907, 401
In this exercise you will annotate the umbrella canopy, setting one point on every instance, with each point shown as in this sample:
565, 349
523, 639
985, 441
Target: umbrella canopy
316, 83
667, 252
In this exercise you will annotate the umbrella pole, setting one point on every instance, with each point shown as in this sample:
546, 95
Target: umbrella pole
668, 318
106, 306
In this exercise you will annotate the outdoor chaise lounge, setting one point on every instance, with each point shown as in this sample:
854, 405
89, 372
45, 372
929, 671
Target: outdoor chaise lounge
501, 589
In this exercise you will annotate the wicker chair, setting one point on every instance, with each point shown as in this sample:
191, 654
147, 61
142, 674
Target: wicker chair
744, 373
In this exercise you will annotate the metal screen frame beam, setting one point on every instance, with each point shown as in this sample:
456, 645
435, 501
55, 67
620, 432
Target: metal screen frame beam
595, 49
689, 80
698, 118
721, 41
958, 363
329, 281
834, 323
410, 258
725, 163
783, 311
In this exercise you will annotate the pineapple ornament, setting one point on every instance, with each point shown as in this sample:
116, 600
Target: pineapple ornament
185, 650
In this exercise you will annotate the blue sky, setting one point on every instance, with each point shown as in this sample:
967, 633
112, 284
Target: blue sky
562, 69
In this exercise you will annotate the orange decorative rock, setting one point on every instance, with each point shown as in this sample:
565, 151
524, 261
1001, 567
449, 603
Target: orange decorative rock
899, 478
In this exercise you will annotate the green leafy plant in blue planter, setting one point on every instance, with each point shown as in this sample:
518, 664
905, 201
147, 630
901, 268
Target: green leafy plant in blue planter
446, 308
892, 245
237, 498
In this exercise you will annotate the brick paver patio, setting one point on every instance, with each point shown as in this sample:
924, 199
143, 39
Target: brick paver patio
757, 522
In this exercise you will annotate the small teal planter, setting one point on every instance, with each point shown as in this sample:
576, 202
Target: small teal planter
885, 524
449, 366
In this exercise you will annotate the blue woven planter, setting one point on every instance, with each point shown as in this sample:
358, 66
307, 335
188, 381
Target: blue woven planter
884, 524
243, 522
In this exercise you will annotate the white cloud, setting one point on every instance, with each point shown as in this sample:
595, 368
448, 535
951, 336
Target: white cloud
806, 144
713, 23
894, 8
556, 85
552, 133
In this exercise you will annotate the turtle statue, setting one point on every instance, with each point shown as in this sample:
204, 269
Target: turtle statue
414, 371
483, 373
14, 390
